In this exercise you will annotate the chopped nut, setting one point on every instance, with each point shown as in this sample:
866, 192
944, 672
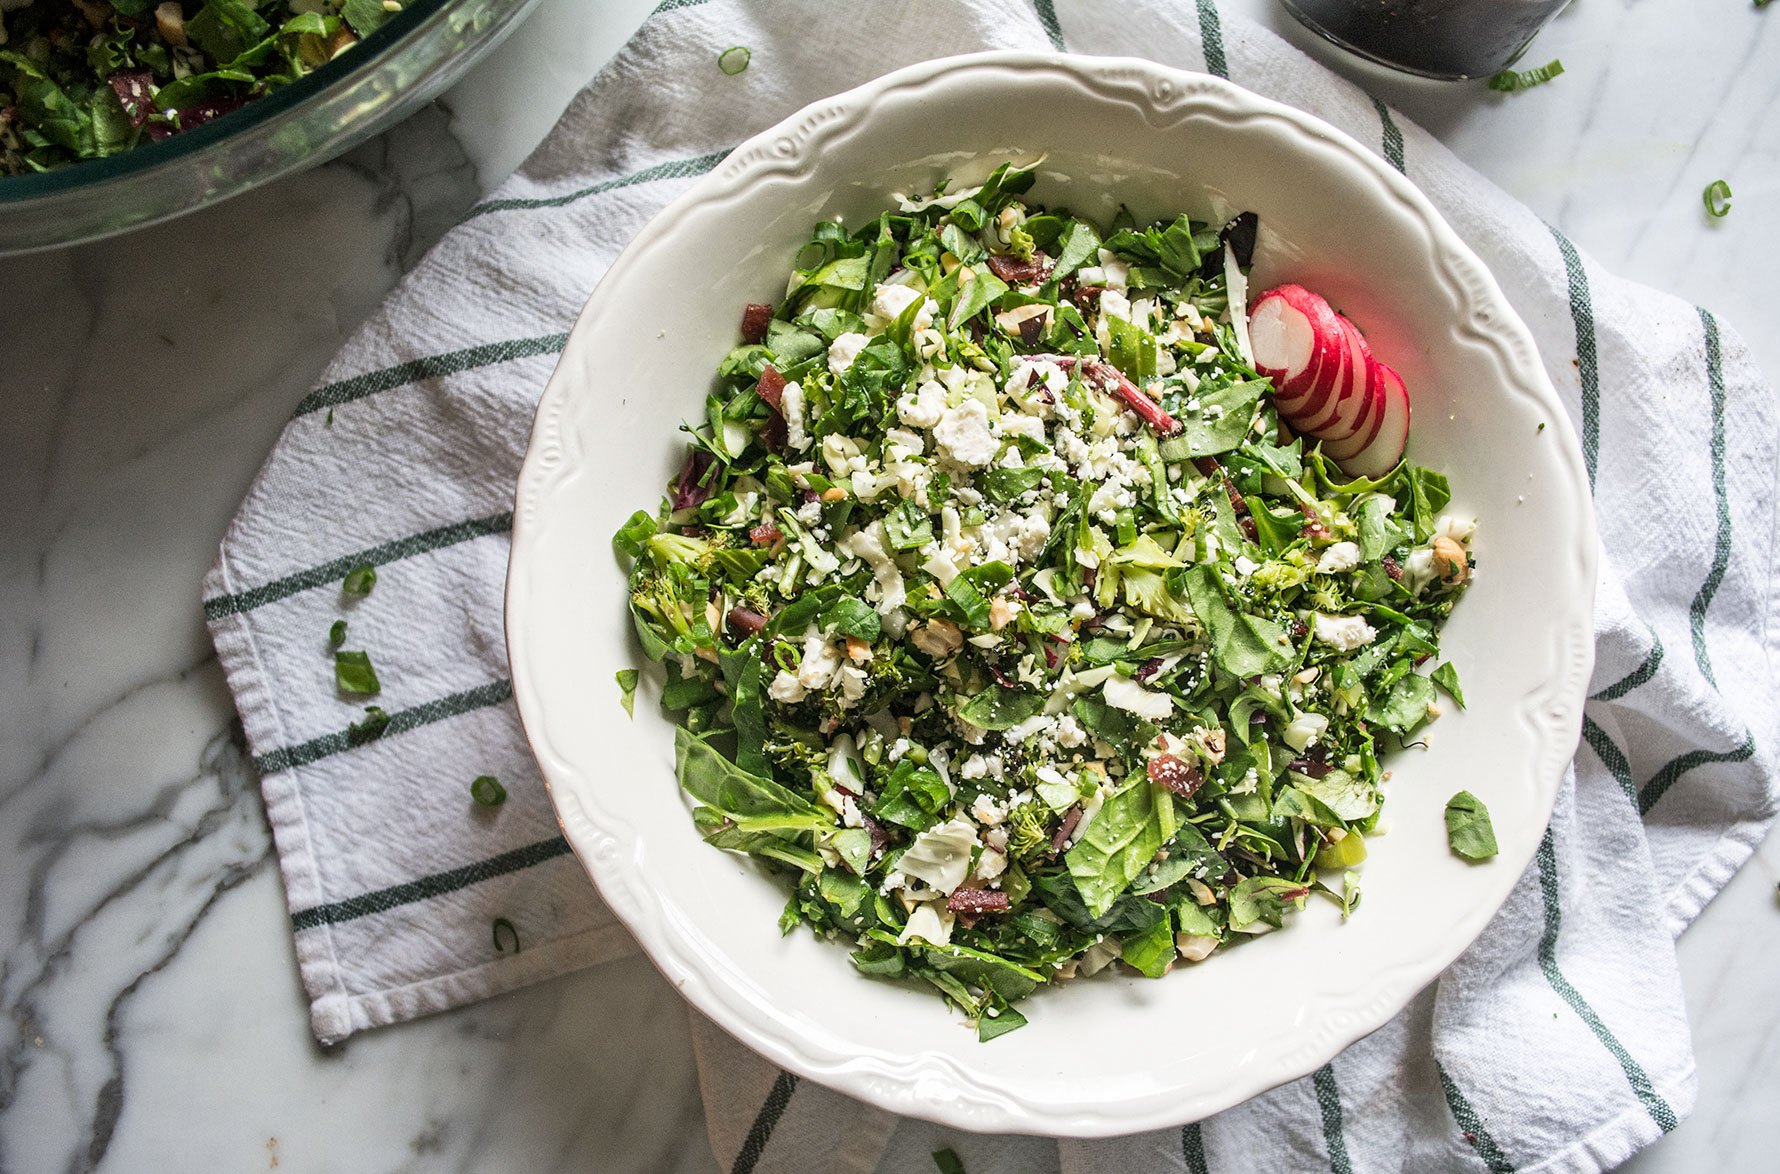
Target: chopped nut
904, 723
938, 638
170, 20
1449, 560
1001, 612
709, 654
1212, 742
834, 493
858, 651
1194, 948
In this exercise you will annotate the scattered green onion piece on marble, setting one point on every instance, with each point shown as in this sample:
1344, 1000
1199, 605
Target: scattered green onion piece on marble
1511, 81
376, 721
734, 59
337, 633
359, 580
487, 790
627, 686
947, 1161
1717, 197
501, 923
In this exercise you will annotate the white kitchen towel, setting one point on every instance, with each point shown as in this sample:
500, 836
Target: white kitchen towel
1558, 1042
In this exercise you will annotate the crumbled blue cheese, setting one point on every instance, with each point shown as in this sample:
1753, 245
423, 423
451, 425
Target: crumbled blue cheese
791, 408
923, 407
786, 689
845, 349
1343, 633
1343, 556
964, 434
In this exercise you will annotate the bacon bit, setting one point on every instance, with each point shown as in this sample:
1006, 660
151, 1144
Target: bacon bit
1314, 767
774, 435
755, 316
1017, 272
879, 836
1089, 575
1237, 501
771, 387
1313, 524
1257, 718
977, 901
1148, 669
690, 489
1086, 296
746, 620
1299, 630
1177, 774
1392, 568
1249, 529
1070, 818
135, 93
765, 534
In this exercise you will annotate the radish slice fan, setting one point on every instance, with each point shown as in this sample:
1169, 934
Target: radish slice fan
1328, 386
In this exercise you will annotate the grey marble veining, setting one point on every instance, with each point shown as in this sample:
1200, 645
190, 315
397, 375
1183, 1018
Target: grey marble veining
153, 1019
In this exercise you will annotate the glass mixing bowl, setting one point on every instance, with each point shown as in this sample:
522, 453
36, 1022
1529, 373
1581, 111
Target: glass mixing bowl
361, 92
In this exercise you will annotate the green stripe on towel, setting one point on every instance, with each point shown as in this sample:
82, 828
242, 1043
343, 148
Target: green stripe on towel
672, 169
430, 367
1671, 771
1393, 137
435, 885
400, 722
1328, 1099
334, 571
1047, 16
1654, 1104
1471, 1125
1211, 37
1637, 676
1611, 756
765, 1122
1582, 316
1192, 1149
1721, 545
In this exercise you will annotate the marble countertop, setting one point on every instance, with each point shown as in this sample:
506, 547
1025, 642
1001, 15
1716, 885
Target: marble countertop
153, 1019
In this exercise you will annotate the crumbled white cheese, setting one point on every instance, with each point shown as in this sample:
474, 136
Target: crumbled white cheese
1343, 556
820, 660
922, 407
791, 407
786, 689
1343, 633
869, 546
964, 434
845, 349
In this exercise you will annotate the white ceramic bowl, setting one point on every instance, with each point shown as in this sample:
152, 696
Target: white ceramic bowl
1114, 1054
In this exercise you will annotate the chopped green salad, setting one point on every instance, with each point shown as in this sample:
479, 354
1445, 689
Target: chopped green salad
84, 79
1003, 617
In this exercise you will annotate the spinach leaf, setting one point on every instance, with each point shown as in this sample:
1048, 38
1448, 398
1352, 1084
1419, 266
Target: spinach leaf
1243, 645
1447, 678
1468, 827
1222, 422
908, 526
1006, 484
1123, 729
627, 690
1349, 796
998, 707
852, 616
989, 1027
911, 796
1150, 951
1080, 244
742, 672
1121, 840
1405, 708
983, 970
1379, 535
717, 782
975, 297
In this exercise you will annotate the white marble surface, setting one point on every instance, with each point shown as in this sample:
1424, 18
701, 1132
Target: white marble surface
153, 1019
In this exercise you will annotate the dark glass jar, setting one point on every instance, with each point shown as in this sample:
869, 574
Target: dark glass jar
1435, 38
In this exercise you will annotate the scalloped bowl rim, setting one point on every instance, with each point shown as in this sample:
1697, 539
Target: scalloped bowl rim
959, 1089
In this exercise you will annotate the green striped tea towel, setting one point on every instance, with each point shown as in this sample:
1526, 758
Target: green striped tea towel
1558, 1042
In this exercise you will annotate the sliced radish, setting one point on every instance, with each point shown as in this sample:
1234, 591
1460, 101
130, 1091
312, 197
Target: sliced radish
1352, 382
1284, 341
1370, 421
1385, 449
1361, 387
1314, 373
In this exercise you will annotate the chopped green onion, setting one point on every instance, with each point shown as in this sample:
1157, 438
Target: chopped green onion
627, 685
1513, 82
501, 923
337, 633
360, 580
1718, 199
734, 59
353, 673
330, 417
948, 1161
376, 721
487, 790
